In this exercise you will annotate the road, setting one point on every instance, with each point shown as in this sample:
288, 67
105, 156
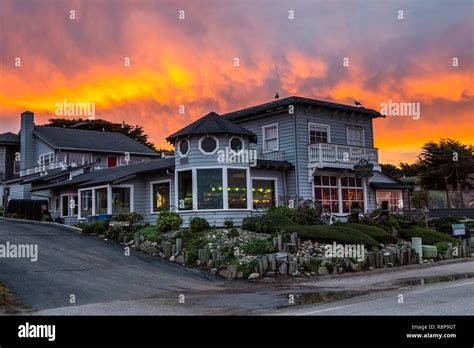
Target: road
106, 282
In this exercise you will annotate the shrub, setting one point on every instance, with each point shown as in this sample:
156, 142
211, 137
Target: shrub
428, 237
257, 246
96, 227
377, 233
273, 222
229, 223
305, 213
442, 247
333, 233
249, 267
151, 233
198, 224
250, 223
444, 224
233, 233
133, 217
168, 221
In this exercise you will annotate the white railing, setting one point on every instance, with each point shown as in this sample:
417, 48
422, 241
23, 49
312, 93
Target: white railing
341, 153
43, 168
275, 155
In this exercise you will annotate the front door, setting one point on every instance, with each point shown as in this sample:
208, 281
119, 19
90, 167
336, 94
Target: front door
111, 161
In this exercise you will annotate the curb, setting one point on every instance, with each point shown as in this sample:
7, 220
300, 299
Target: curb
47, 223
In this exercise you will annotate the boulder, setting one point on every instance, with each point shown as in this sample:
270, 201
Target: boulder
254, 276
323, 270
180, 259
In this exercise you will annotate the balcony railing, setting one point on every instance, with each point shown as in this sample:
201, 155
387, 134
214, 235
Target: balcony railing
43, 168
275, 155
333, 153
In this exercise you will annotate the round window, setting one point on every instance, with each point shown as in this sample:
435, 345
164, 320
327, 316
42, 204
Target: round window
236, 144
183, 147
208, 144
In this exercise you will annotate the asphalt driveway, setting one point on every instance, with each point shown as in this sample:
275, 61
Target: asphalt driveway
92, 270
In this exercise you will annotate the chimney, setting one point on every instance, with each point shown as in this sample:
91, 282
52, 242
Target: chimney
27, 141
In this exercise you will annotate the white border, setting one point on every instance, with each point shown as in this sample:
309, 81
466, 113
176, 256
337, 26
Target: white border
209, 153
277, 137
241, 141
347, 135
276, 190
319, 125
179, 149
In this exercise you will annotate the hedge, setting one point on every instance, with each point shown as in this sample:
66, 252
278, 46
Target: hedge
333, 233
428, 237
377, 233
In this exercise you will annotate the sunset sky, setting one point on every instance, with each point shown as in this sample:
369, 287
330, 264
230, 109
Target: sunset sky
190, 61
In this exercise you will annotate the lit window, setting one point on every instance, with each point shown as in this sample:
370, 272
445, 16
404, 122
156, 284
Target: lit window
352, 194
210, 188
237, 188
326, 192
160, 197
263, 193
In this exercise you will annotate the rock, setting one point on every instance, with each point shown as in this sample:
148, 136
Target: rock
172, 258
180, 259
296, 274
240, 275
425, 261
389, 264
227, 274
371, 268
254, 276
307, 274
431, 260
214, 271
210, 264
162, 255
270, 274
313, 274
221, 267
101, 236
323, 270
151, 250
154, 244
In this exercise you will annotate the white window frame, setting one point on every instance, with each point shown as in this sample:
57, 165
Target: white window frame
44, 155
225, 195
179, 149
357, 127
264, 178
109, 198
208, 153
57, 206
241, 141
264, 140
312, 124
151, 194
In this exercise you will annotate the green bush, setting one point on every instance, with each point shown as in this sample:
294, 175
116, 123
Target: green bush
444, 224
169, 221
229, 223
442, 247
428, 237
198, 224
151, 233
96, 227
257, 246
377, 233
233, 233
250, 223
133, 217
249, 267
305, 213
333, 233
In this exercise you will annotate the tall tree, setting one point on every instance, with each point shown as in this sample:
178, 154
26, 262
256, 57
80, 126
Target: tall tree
446, 162
135, 132
392, 170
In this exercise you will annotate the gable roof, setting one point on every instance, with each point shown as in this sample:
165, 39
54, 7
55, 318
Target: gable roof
111, 175
293, 100
212, 123
9, 138
95, 141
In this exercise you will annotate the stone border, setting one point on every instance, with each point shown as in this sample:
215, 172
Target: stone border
47, 223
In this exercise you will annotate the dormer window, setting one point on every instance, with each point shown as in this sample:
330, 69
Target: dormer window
208, 145
236, 144
183, 147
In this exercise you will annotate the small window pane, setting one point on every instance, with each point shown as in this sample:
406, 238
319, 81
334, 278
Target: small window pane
86, 203
120, 200
208, 144
236, 144
101, 201
65, 206
271, 132
183, 147
185, 190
